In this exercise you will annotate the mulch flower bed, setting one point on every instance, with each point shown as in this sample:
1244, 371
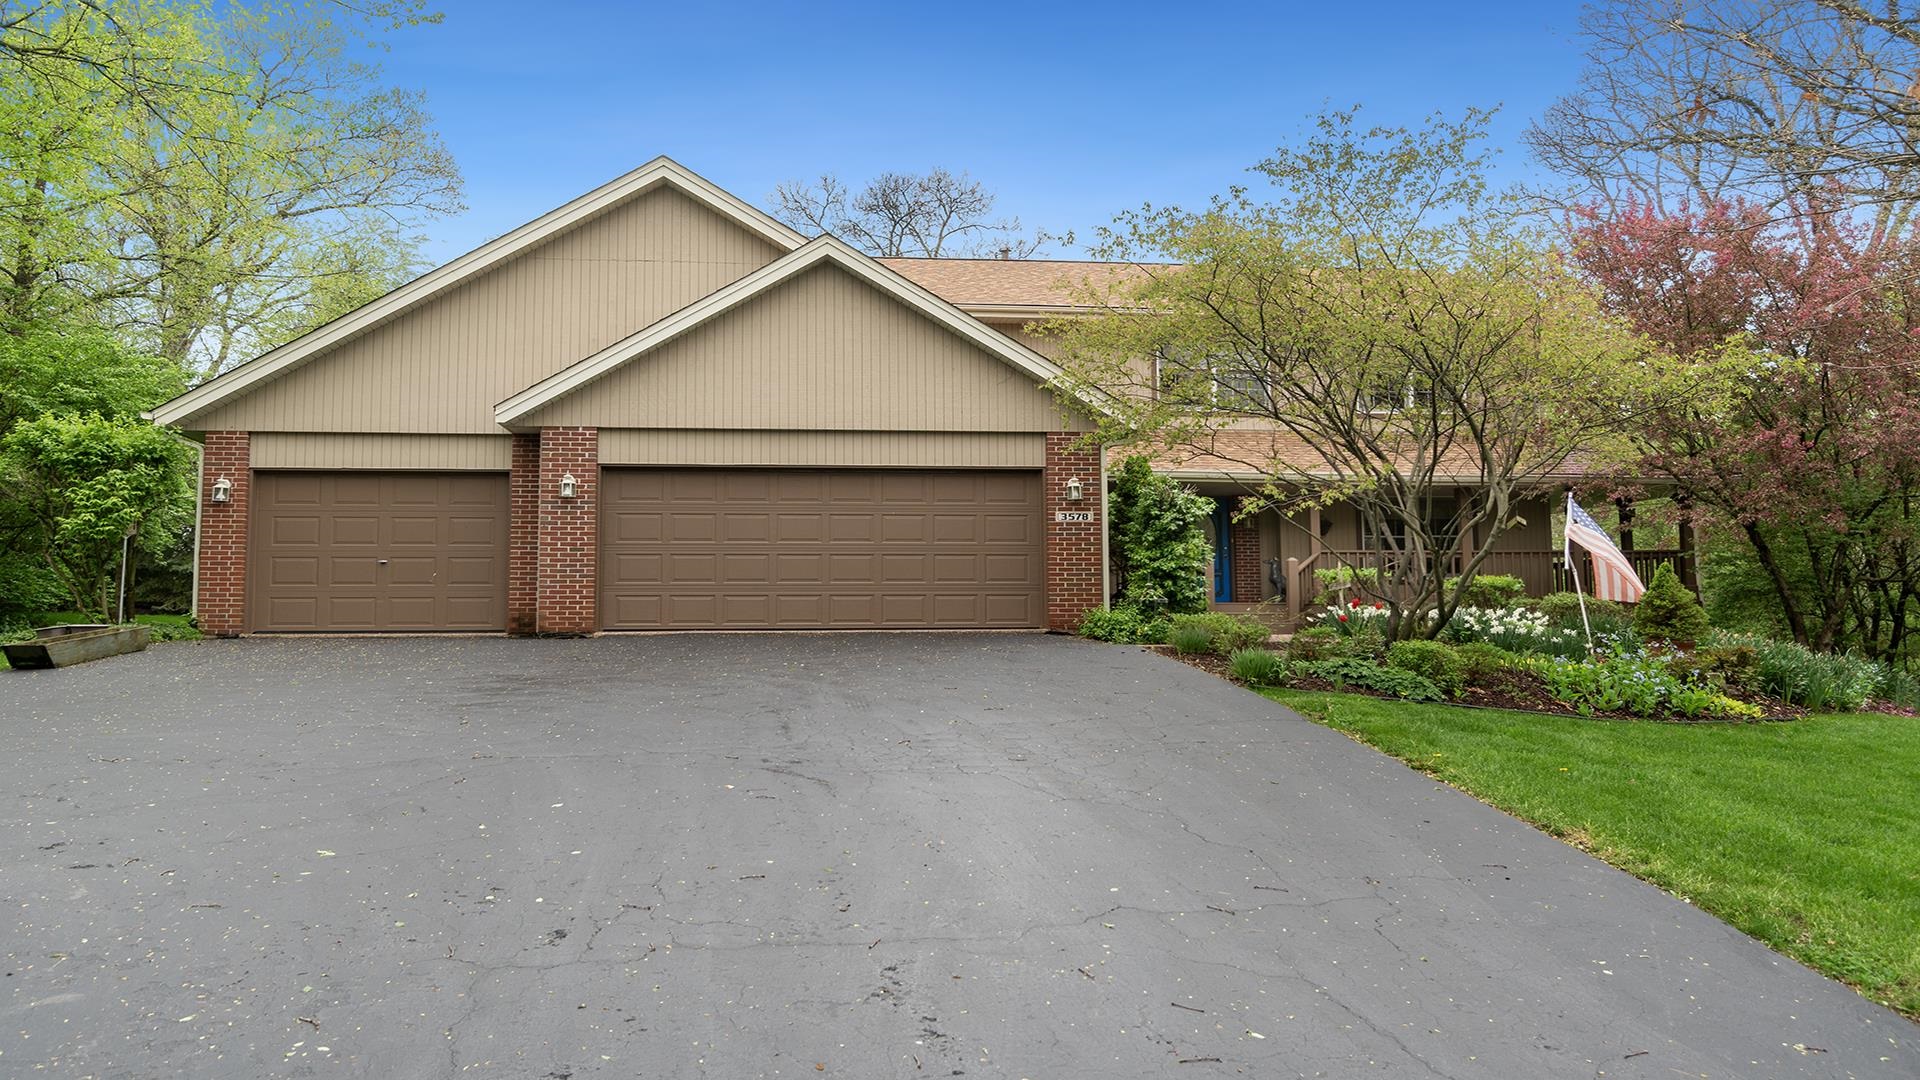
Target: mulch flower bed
1519, 692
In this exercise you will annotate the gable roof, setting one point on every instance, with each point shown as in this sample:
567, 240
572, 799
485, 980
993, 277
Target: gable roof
436, 282
824, 250
1016, 287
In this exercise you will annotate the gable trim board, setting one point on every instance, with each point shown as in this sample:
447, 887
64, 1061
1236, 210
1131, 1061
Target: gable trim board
436, 282
824, 250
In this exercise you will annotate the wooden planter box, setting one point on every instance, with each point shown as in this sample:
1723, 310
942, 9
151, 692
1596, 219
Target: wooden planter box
60, 646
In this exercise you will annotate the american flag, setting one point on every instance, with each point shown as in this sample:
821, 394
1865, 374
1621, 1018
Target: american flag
1613, 576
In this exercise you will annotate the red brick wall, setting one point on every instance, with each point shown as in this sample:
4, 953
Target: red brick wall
569, 532
1244, 538
220, 582
1074, 578
523, 536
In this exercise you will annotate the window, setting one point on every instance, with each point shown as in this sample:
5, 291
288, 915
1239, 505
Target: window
1229, 381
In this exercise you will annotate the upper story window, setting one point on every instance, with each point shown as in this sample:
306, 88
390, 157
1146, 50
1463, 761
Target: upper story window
1222, 379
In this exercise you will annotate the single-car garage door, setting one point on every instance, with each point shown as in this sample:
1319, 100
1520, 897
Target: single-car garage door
378, 551
798, 548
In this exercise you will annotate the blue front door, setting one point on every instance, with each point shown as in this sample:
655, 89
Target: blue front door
1222, 551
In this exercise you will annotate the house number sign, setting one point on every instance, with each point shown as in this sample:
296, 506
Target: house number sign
1073, 515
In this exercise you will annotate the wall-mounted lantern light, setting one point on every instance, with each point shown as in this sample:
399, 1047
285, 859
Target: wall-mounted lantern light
1075, 490
223, 490
569, 487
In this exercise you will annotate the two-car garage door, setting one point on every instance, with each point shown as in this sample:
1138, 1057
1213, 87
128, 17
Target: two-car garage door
838, 548
679, 549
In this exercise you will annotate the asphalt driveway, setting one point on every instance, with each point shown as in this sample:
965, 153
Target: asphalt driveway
786, 856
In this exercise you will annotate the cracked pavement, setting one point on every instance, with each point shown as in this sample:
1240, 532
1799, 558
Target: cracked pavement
885, 855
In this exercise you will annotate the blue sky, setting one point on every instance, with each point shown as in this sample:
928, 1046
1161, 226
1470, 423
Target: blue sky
1069, 111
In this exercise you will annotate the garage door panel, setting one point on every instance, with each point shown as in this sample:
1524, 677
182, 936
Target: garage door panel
353, 529
689, 527
746, 569
950, 609
471, 530
347, 613
1011, 607
348, 489
379, 551
632, 527
746, 528
642, 568
702, 568
351, 570
477, 571
413, 530
1009, 528
799, 528
746, 609
300, 611
799, 548
296, 529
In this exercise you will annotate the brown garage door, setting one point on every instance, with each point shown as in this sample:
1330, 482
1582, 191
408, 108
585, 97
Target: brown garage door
797, 548
378, 551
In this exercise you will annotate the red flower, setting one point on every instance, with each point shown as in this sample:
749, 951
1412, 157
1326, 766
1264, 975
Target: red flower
1355, 602
1343, 616
1378, 607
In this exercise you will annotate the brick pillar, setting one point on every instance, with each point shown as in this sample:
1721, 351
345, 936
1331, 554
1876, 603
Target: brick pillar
220, 579
523, 536
1073, 547
1244, 538
569, 533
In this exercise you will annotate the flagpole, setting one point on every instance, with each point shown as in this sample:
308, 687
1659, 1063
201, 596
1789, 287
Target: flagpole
1566, 552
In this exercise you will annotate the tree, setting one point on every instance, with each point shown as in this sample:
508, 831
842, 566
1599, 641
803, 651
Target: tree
1159, 541
933, 214
89, 483
208, 211
1790, 415
1770, 100
1668, 610
1387, 316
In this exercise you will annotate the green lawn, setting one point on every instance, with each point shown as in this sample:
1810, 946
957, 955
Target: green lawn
166, 627
1804, 834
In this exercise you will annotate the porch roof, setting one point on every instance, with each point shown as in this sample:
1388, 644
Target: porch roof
1246, 456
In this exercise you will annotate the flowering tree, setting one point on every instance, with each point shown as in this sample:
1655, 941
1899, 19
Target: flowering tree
1386, 315
1793, 415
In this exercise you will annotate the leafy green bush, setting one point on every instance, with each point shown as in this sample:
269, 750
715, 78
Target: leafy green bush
1159, 540
1188, 640
1484, 665
1349, 671
1901, 688
1367, 643
1669, 611
1226, 632
1488, 590
173, 631
1722, 665
1816, 680
1338, 582
1314, 643
1641, 685
1435, 660
1257, 667
1123, 624
1563, 608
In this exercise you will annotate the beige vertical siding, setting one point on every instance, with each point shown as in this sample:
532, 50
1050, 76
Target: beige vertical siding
331, 450
1535, 535
441, 367
955, 449
825, 351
